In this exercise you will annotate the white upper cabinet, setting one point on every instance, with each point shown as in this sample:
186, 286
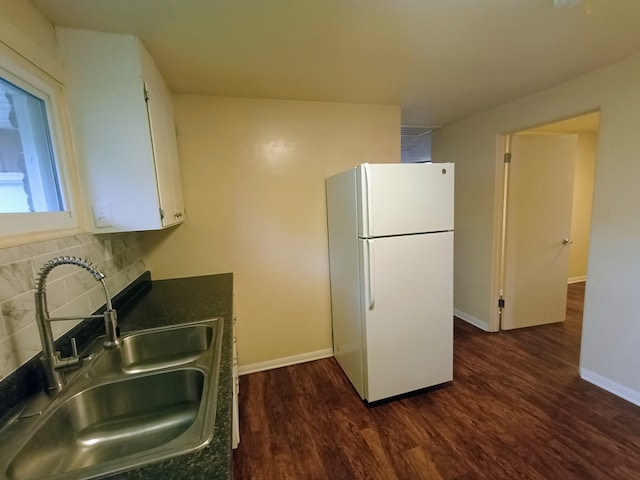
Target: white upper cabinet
124, 132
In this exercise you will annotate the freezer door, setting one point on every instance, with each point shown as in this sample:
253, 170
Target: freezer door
408, 310
401, 198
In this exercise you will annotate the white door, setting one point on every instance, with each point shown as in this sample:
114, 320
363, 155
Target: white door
408, 313
540, 196
403, 198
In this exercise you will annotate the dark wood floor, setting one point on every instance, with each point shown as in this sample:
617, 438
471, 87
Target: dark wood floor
516, 409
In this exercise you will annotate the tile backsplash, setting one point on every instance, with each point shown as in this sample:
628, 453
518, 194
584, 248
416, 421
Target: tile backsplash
71, 291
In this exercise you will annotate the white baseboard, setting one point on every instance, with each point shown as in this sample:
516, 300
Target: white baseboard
611, 386
284, 362
476, 322
581, 278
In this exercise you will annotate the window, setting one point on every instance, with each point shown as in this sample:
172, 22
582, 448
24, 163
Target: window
33, 194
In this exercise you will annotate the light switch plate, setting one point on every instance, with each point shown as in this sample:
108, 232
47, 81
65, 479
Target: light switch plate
102, 215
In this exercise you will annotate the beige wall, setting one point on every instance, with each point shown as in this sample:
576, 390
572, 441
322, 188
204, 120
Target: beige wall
253, 174
611, 330
28, 24
24, 30
582, 199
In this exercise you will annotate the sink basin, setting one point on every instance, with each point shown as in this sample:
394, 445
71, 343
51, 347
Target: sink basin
154, 349
113, 421
154, 400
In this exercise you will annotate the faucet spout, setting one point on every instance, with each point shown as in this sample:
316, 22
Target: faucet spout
51, 360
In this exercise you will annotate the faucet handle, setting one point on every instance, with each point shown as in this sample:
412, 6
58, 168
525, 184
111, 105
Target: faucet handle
74, 347
73, 361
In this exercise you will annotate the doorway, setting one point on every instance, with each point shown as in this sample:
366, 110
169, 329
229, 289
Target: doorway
548, 192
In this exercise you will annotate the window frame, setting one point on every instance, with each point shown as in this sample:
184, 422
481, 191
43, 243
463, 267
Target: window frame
30, 78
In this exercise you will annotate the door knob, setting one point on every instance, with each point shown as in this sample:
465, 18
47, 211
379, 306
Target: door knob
566, 241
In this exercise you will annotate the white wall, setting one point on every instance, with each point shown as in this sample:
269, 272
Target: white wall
611, 331
70, 290
253, 173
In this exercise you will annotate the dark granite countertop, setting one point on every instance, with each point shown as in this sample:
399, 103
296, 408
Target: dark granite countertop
147, 304
183, 300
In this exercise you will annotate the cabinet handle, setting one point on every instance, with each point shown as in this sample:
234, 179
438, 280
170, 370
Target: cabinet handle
178, 215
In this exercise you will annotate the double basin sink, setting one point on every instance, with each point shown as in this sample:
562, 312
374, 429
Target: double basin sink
152, 398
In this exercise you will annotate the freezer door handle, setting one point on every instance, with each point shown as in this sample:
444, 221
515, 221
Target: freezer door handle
369, 197
371, 288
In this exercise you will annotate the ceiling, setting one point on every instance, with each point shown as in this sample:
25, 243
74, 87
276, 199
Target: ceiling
441, 60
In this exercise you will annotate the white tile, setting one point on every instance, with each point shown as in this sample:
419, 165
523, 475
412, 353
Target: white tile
97, 297
13, 254
60, 328
79, 283
41, 248
95, 253
19, 348
78, 307
56, 294
18, 312
56, 273
71, 291
72, 251
15, 279
3, 331
68, 242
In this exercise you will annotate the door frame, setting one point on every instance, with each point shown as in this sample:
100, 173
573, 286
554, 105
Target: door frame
499, 228
503, 147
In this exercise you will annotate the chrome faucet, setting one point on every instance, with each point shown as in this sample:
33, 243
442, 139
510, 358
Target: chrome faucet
52, 362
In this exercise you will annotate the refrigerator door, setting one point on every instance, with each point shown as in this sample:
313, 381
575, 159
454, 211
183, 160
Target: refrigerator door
404, 198
407, 313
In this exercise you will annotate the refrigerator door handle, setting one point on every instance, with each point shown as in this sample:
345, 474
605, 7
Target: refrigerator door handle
371, 287
369, 196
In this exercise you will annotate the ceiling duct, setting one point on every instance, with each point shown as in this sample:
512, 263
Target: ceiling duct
562, 4
416, 130
416, 143
565, 3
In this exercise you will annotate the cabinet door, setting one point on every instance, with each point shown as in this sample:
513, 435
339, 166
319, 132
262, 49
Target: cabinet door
127, 151
163, 137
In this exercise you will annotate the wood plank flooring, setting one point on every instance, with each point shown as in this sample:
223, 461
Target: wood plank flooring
515, 410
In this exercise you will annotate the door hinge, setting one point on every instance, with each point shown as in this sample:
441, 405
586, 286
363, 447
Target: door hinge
161, 214
507, 157
501, 303
145, 92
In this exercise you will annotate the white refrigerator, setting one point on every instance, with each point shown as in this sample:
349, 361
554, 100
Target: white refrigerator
390, 229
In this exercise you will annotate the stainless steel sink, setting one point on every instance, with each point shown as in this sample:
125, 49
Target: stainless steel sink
156, 401
153, 349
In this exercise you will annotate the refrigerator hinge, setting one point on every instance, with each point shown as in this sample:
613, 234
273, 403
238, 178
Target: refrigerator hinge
507, 157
